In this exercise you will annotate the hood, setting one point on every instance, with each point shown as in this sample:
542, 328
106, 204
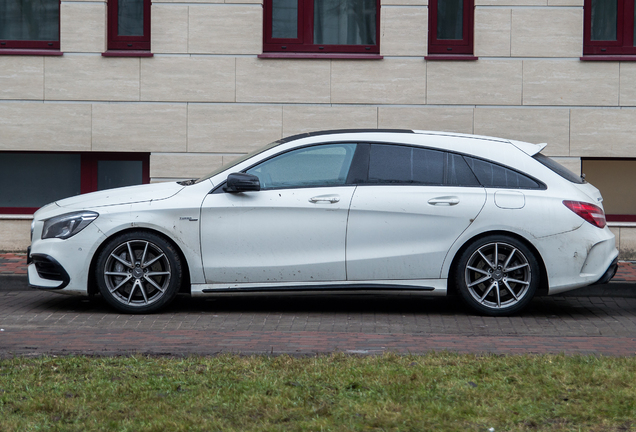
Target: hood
124, 195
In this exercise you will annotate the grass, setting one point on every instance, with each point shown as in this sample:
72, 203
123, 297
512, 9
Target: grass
441, 391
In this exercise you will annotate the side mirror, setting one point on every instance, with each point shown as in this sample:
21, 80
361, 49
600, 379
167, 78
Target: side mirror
241, 182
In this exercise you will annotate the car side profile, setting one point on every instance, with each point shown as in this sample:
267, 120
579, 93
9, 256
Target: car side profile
493, 220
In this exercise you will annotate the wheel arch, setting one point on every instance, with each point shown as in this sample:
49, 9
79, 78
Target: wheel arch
543, 286
185, 282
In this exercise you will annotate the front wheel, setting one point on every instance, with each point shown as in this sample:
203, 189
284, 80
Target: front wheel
497, 275
138, 272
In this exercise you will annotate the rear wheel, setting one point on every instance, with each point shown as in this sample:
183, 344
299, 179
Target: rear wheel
138, 272
497, 275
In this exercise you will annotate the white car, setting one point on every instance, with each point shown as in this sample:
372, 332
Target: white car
355, 210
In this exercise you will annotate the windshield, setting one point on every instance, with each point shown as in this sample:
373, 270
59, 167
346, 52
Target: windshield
558, 168
237, 161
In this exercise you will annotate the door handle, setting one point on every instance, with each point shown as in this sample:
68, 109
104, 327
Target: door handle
444, 201
331, 199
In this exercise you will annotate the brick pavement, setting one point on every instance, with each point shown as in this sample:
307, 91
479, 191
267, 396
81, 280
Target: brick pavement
35, 322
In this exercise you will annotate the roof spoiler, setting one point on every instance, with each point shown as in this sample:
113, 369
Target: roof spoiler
527, 148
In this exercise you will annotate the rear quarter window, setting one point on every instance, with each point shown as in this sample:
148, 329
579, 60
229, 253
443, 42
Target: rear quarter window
558, 168
496, 176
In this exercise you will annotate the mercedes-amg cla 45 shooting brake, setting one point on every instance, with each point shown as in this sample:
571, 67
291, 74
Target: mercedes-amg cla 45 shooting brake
492, 220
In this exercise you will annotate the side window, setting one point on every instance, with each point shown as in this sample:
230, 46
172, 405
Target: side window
129, 25
323, 165
27, 24
492, 175
394, 164
450, 26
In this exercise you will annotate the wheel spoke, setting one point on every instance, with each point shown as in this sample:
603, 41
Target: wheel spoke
132, 290
121, 260
131, 254
515, 267
486, 259
153, 283
143, 255
518, 281
478, 281
143, 292
117, 274
498, 294
157, 273
496, 260
512, 293
514, 251
478, 270
121, 283
154, 260
481, 300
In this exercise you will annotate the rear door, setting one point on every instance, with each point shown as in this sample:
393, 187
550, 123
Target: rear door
406, 214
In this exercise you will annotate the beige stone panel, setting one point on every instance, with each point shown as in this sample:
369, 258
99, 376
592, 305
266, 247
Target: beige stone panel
226, 29
389, 81
565, 82
232, 128
565, 2
295, 81
46, 127
534, 125
230, 158
188, 79
603, 132
547, 32
511, 2
404, 31
183, 165
302, 118
571, 163
22, 77
91, 77
139, 127
492, 32
627, 84
482, 82
83, 27
403, 3
448, 119
15, 235
169, 28
627, 249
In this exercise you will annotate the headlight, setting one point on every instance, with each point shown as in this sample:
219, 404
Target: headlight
67, 225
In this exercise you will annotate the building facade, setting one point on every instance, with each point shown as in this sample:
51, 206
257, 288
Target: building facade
131, 91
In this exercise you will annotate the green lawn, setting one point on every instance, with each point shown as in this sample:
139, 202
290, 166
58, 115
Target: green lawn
332, 393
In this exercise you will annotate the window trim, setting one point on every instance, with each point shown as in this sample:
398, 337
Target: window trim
126, 43
306, 33
450, 47
25, 45
88, 173
624, 32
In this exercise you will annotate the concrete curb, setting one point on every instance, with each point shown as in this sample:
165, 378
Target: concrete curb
611, 289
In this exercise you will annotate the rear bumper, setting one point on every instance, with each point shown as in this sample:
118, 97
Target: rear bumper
609, 273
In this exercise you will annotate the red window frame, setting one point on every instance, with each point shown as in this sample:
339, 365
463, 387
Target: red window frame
88, 173
624, 43
39, 45
115, 42
304, 42
451, 46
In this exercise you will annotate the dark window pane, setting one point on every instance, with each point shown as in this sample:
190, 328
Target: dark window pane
285, 19
33, 180
604, 18
31, 20
115, 173
324, 165
344, 22
406, 165
130, 18
492, 175
558, 168
450, 19
458, 173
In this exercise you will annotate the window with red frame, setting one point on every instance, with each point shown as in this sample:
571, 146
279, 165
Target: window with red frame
322, 26
609, 27
31, 180
450, 27
129, 25
30, 24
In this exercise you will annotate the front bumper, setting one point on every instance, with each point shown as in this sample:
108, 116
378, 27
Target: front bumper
45, 272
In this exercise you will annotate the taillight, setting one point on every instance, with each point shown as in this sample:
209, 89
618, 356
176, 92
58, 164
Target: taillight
591, 213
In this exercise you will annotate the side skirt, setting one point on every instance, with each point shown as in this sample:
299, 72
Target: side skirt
429, 287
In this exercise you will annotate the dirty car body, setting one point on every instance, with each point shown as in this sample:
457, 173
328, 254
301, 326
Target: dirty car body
341, 211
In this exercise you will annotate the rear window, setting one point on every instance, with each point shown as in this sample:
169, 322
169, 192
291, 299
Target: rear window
491, 175
558, 168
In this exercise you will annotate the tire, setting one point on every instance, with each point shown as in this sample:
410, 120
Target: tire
144, 284
497, 275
